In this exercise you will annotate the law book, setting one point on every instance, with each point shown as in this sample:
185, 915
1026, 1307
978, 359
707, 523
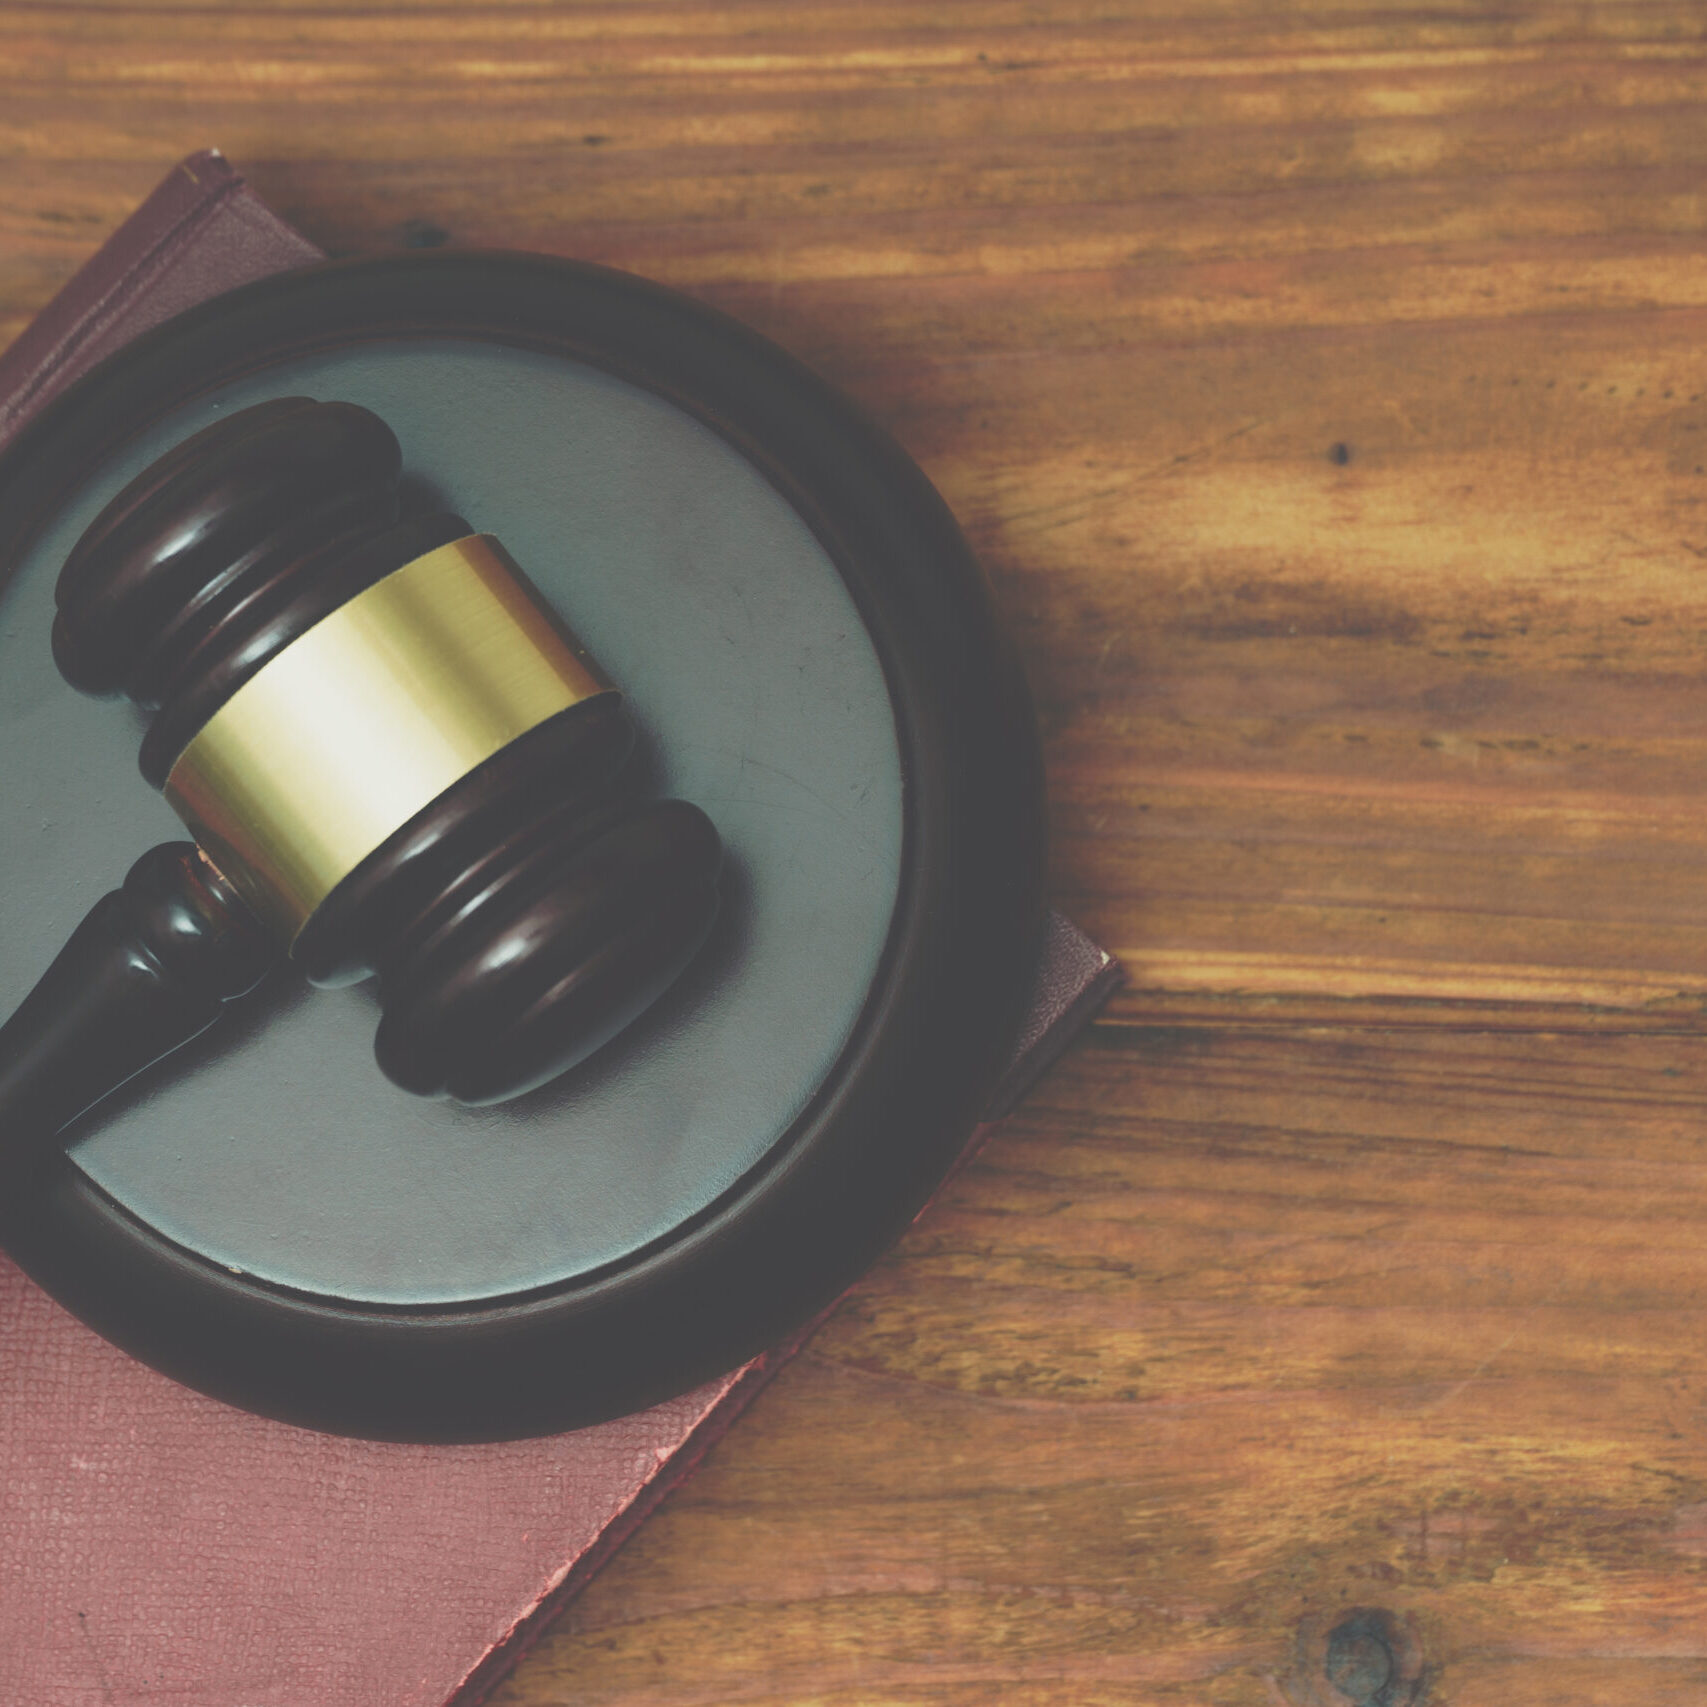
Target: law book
157, 1545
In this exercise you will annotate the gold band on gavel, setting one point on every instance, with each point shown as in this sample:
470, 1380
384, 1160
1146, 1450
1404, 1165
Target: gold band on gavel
368, 717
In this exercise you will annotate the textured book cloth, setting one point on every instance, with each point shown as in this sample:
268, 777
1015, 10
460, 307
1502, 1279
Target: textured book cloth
156, 1545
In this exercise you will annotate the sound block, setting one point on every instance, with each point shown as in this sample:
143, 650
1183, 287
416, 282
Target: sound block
810, 655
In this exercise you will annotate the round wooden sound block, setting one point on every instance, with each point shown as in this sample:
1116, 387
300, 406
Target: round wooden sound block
807, 649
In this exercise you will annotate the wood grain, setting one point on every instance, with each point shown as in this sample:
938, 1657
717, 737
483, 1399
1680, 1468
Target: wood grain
1326, 392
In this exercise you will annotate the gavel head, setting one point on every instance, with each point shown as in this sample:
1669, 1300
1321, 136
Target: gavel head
397, 757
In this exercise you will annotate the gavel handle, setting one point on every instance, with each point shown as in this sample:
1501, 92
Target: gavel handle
150, 967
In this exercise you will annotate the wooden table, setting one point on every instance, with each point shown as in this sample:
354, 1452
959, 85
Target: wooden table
1326, 393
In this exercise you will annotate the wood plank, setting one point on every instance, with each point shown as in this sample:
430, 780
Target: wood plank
1225, 1338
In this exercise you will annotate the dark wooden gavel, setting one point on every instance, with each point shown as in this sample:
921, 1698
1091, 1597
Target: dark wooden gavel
393, 760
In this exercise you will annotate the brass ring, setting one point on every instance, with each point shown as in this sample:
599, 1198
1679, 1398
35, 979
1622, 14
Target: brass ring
369, 717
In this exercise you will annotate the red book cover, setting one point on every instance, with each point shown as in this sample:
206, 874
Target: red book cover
158, 1545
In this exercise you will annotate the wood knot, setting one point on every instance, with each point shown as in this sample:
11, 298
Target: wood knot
1359, 1660
1365, 1657
422, 234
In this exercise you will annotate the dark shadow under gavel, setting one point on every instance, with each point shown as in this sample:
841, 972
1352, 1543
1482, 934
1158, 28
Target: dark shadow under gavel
393, 760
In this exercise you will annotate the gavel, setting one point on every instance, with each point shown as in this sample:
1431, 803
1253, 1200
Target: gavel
393, 760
